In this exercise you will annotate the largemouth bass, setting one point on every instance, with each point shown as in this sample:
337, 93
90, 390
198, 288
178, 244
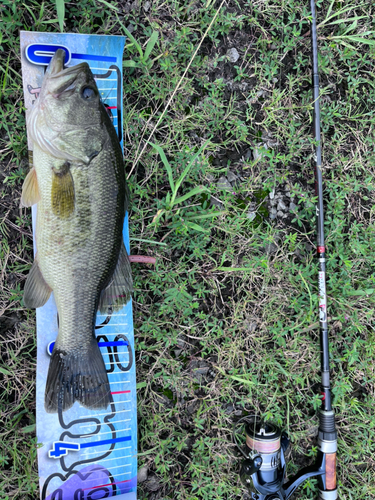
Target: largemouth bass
78, 181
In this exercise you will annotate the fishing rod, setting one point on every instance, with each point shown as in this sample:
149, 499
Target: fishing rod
263, 470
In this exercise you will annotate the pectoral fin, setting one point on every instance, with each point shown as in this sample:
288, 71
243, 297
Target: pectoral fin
62, 194
30, 189
119, 290
36, 291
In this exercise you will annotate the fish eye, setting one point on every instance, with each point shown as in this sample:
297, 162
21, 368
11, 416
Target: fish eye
88, 93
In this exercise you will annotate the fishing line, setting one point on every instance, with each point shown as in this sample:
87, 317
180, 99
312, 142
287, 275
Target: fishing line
172, 96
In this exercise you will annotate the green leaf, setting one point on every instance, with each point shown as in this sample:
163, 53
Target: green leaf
190, 164
239, 379
283, 371
168, 199
5, 80
149, 241
196, 227
338, 13
60, 8
131, 37
330, 9
28, 428
50, 21
184, 174
205, 216
151, 44
234, 269
110, 5
353, 38
197, 190
129, 64
352, 27
140, 385
369, 291
4, 371
341, 21
166, 163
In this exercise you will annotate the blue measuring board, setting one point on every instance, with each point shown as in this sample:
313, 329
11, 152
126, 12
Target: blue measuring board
86, 454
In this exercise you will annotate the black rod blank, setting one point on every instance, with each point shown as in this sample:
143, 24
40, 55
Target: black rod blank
327, 430
323, 320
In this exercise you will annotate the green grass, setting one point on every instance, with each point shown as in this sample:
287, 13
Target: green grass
226, 322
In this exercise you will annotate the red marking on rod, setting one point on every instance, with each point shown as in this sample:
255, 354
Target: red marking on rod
323, 395
321, 249
120, 392
109, 484
112, 107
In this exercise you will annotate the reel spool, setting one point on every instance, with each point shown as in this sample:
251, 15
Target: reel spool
263, 471
264, 439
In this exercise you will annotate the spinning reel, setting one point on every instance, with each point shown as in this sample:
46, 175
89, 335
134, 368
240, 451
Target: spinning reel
264, 468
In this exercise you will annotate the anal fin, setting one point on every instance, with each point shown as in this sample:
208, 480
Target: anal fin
36, 292
118, 292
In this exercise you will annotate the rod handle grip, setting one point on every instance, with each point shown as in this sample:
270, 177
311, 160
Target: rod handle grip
331, 471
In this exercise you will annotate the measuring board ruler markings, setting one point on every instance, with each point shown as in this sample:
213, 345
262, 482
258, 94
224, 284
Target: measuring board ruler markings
86, 454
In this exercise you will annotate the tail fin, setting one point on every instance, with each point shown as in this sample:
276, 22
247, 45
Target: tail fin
77, 376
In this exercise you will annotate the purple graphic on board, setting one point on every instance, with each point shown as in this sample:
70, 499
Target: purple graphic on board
78, 485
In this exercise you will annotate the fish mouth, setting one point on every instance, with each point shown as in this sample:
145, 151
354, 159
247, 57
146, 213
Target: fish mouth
63, 78
56, 64
56, 68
